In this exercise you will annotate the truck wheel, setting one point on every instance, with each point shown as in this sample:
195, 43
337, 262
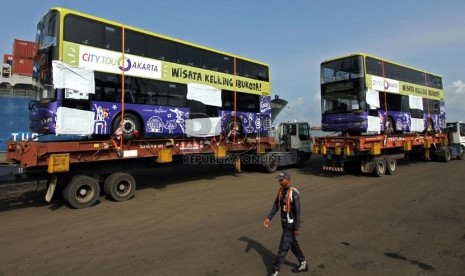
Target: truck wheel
380, 167
272, 165
119, 186
461, 155
445, 154
301, 159
391, 165
81, 192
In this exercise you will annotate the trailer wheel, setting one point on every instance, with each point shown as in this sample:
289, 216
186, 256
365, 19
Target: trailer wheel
391, 165
445, 154
272, 165
119, 186
380, 166
81, 192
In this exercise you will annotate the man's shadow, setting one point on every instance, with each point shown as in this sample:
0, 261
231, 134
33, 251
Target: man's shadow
267, 256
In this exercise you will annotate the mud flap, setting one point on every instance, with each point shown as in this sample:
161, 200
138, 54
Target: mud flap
52, 184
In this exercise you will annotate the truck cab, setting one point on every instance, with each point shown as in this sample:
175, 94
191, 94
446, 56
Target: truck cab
295, 136
456, 133
294, 145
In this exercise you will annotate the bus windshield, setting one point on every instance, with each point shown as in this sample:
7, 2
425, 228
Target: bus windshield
342, 69
366, 94
342, 85
46, 35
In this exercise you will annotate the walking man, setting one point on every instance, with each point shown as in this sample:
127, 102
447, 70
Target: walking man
288, 202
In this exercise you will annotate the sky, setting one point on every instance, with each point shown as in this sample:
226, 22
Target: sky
293, 37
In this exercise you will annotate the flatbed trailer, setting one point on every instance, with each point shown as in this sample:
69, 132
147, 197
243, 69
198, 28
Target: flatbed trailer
79, 167
378, 154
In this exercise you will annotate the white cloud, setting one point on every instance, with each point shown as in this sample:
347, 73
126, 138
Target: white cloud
457, 87
302, 109
455, 101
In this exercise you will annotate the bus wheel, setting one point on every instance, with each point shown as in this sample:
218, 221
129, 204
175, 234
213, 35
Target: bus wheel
391, 165
119, 186
230, 130
380, 167
429, 126
81, 192
271, 165
131, 123
390, 127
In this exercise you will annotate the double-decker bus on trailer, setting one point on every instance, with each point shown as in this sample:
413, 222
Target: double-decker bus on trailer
170, 85
363, 94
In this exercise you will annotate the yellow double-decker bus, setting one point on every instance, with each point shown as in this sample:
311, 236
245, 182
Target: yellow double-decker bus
168, 83
362, 93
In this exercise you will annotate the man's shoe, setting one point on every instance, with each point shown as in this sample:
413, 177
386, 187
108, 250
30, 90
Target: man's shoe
303, 267
275, 273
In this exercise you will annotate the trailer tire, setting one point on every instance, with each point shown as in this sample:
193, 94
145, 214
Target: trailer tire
119, 186
81, 192
445, 154
391, 165
380, 166
272, 165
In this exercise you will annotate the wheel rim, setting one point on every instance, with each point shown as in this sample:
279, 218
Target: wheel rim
381, 167
123, 188
128, 126
84, 193
389, 126
392, 165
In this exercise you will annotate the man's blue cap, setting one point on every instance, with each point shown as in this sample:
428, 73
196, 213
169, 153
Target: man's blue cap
283, 174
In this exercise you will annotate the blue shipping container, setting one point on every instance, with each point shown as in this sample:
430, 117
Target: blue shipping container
14, 112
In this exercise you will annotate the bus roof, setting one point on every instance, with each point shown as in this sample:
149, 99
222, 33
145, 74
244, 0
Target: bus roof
66, 11
383, 59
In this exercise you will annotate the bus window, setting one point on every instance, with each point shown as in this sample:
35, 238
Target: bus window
113, 36
212, 61
83, 31
177, 95
188, 55
134, 43
161, 49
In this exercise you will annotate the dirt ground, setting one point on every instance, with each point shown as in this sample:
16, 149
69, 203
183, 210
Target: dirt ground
202, 220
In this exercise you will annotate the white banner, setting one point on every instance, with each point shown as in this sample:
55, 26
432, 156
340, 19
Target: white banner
373, 98
203, 127
415, 102
205, 94
74, 121
75, 78
384, 84
111, 62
